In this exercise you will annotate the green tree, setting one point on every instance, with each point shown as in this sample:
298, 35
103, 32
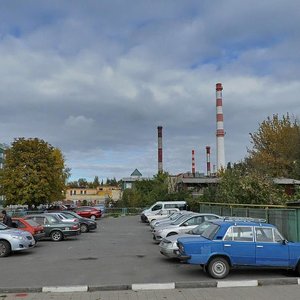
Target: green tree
82, 182
241, 185
276, 147
96, 182
34, 173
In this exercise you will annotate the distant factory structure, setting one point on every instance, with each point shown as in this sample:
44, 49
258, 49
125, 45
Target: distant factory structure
192, 180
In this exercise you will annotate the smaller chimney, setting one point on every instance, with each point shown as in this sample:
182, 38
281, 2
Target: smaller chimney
193, 163
208, 160
160, 150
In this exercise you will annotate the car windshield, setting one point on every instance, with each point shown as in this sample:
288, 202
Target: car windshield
66, 216
72, 213
210, 231
32, 223
200, 228
179, 220
3, 226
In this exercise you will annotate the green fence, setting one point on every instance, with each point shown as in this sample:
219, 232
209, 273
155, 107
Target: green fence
287, 220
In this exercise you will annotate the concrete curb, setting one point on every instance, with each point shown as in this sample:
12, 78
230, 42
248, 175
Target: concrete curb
154, 286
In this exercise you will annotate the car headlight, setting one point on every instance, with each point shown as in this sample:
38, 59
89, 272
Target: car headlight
18, 237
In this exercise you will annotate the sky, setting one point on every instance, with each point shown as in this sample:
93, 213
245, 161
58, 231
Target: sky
96, 78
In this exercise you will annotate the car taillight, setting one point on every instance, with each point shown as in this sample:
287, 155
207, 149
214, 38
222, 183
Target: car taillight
75, 227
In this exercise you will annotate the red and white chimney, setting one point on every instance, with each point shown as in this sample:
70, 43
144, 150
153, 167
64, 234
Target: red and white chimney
220, 128
160, 151
193, 163
208, 161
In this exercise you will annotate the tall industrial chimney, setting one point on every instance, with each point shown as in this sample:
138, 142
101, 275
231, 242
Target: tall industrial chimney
208, 160
193, 163
160, 153
220, 128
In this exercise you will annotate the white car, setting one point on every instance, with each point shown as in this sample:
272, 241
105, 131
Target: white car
161, 214
168, 220
182, 225
12, 239
168, 246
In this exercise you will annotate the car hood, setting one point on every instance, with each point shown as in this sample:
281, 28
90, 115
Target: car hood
13, 231
174, 238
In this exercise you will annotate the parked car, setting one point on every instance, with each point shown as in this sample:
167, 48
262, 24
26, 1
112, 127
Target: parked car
182, 225
86, 224
227, 244
34, 228
54, 227
181, 205
101, 207
88, 212
161, 214
168, 245
168, 220
12, 239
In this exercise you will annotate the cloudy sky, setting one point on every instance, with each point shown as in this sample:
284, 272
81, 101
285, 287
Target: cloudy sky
96, 78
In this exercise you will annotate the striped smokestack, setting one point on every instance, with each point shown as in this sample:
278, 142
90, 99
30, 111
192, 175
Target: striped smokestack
193, 162
220, 128
160, 153
208, 160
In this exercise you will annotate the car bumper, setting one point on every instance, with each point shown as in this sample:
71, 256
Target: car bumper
22, 245
169, 252
184, 258
72, 232
39, 236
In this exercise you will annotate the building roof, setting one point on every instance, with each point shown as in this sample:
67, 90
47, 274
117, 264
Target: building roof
136, 172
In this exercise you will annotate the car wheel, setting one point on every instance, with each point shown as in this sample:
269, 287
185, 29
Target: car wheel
84, 228
218, 268
56, 236
93, 217
171, 233
5, 248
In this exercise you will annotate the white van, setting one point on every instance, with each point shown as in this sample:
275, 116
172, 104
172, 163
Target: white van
157, 206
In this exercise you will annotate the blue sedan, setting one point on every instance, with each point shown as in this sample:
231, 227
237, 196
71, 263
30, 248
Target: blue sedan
227, 244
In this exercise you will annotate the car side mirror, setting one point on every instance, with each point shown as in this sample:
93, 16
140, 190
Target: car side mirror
284, 242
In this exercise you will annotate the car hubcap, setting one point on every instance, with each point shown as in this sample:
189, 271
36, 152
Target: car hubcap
56, 236
219, 268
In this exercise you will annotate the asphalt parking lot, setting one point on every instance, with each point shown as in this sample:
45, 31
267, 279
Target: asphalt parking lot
120, 251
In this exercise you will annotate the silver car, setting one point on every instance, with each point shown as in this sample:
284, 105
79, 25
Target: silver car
168, 220
168, 246
182, 225
12, 239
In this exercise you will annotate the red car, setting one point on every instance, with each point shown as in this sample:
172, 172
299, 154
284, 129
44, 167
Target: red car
88, 212
34, 228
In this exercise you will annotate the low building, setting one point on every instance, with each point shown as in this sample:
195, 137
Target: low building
79, 195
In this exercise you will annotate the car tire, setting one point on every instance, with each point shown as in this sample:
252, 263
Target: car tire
171, 233
5, 248
84, 228
218, 268
56, 236
93, 217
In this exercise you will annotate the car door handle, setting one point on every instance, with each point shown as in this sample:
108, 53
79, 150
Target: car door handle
227, 245
259, 246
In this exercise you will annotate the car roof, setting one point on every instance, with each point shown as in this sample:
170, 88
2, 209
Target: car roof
241, 222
